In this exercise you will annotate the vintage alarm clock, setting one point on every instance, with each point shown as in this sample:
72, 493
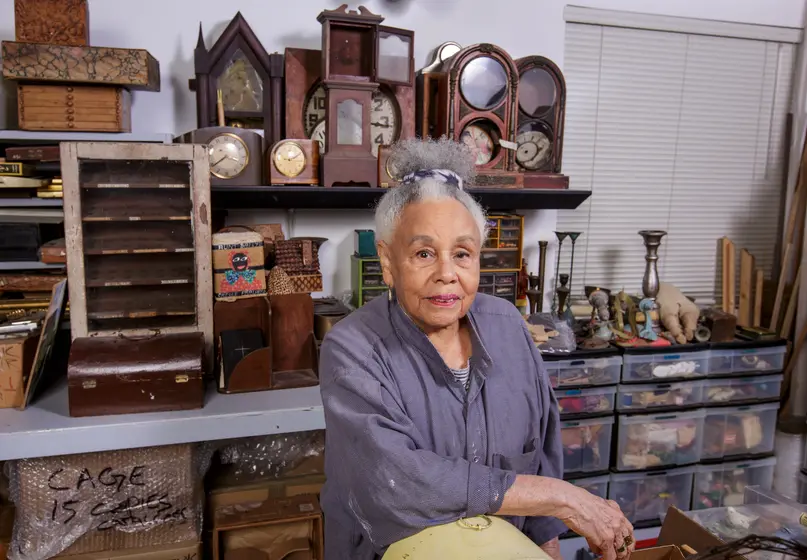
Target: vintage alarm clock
388, 173
471, 98
293, 162
235, 154
541, 108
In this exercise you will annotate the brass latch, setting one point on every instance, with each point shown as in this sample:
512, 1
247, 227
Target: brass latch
181, 378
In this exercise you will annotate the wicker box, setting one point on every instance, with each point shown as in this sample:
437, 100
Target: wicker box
238, 265
299, 258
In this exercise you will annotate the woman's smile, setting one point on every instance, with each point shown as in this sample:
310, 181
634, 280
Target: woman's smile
444, 300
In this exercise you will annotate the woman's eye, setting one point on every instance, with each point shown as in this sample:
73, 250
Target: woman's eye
423, 254
463, 255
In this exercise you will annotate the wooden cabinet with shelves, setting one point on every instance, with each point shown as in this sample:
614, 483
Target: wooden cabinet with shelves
502, 249
137, 223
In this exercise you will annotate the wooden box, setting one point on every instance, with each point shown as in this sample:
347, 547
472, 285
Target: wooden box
128, 376
130, 68
108, 501
254, 370
74, 108
276, 528
16, 360
56, 22
238, 265
299, 258
137, 230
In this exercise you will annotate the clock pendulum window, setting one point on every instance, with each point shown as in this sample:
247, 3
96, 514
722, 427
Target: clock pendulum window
360, 57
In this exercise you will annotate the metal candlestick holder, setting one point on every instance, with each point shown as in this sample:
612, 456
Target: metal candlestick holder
560, 235
650, 281
573, 235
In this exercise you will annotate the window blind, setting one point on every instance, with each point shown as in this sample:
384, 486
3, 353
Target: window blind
673, 131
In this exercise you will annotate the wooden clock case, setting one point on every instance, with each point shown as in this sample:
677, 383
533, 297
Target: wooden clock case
211, 64
549, 121
308, 176
303, 75
447, 111
253, 173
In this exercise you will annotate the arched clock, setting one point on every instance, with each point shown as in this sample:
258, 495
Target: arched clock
472, 98
392, 112
541, 108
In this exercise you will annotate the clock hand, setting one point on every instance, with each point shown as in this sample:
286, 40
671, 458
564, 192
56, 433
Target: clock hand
219, 161
378, 124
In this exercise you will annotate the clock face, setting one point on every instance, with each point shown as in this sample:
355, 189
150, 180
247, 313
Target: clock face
534, 148
384, 123
393, 171
228, 155
290, 159
479, 141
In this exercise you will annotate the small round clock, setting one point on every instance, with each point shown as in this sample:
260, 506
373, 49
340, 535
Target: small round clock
480, 141
228, 155
289, 158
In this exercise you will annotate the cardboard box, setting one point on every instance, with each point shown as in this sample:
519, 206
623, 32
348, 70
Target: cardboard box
228, 494
191, 550
668, 552
681, 531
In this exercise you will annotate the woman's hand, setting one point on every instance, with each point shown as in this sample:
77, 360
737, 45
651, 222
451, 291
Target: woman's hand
601, 522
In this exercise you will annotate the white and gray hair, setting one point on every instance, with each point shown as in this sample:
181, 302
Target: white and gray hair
431, 170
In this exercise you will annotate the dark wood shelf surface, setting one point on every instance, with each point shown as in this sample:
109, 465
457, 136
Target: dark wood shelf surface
141, 302
104, 238
107, 271
105, 205
345, 198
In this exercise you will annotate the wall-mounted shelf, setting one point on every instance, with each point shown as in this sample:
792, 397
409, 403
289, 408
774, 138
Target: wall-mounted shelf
45, 429
30, 202
28, 265
36, 137
345, 198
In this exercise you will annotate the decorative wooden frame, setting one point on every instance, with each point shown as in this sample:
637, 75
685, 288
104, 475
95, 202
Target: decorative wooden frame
553, 120
209, 64
74, 218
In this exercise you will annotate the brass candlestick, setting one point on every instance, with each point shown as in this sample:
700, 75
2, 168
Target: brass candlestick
560, 235
542, 248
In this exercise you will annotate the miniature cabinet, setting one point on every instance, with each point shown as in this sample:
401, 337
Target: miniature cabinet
503, 247
367, 280
137, 229
499, 284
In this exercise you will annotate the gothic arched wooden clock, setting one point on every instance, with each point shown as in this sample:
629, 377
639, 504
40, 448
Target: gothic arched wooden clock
250, 81
541, 108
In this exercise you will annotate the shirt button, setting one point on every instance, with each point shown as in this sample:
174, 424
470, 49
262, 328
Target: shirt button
476, 459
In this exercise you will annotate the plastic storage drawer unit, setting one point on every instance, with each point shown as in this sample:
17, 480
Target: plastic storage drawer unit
723, 390
645, 497
660, 395
762, 359
659, 440
584, 372
737, 431
723, 484
646, 367
586, 445
579, 402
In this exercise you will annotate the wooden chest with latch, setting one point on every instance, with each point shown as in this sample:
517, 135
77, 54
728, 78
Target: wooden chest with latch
74, 108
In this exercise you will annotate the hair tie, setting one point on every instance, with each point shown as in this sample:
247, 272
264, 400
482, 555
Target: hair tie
440, 175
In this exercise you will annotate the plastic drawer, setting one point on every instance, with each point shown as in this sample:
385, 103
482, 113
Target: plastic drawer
723, 484
573, 402
742, 389
660, 367
587, 444
645, 497
584, 372
747, 360
739, 430
659, 440
659, 395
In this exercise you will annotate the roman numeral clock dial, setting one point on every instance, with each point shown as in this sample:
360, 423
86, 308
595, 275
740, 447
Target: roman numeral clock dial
384, 122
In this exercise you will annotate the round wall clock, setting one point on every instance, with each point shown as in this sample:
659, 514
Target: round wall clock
384, 118
228, 155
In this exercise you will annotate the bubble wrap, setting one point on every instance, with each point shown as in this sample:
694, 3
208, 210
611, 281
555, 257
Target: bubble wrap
563, 343
272, 456
112, 500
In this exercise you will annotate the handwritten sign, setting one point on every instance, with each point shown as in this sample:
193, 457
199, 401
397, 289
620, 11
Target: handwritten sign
11, 370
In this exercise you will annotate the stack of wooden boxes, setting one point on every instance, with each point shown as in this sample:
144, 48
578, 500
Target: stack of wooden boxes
63, 83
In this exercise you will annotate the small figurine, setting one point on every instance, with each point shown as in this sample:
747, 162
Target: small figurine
678, 313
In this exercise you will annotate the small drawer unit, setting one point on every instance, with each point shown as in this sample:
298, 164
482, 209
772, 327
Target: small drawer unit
645, 497
723, 484
640, 366
739, 431
502, 248
743, 357
499, 284
758, 388
586, 445
654, 396
366, 279
649, 441
585, 402
583, 372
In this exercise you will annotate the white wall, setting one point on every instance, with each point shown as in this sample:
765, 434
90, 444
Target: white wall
168, 30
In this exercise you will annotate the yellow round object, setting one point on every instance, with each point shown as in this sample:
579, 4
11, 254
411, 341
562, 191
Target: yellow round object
476, 538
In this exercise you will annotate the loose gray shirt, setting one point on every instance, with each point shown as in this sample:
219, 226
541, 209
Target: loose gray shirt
408, 447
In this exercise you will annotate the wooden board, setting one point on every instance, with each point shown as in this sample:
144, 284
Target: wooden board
131, 68
56, 22
728, 284
759, 281
151, 269
118, 238
744, 316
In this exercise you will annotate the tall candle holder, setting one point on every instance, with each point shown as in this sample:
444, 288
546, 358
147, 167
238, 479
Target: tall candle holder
650, 280
560, 235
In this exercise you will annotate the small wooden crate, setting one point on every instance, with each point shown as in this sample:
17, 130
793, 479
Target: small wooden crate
16, 360
55, 22
74, 108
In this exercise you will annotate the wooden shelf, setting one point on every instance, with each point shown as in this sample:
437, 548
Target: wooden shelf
105, 271
125, 205
103, 238
345, 198
141, 302
134, 186
36, 137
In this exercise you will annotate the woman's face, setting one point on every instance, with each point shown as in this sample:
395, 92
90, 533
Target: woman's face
433, 262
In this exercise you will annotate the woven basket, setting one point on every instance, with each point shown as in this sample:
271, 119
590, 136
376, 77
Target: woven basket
306, 283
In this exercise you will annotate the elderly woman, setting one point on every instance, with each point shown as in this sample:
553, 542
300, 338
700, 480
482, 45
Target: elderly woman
437, 403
